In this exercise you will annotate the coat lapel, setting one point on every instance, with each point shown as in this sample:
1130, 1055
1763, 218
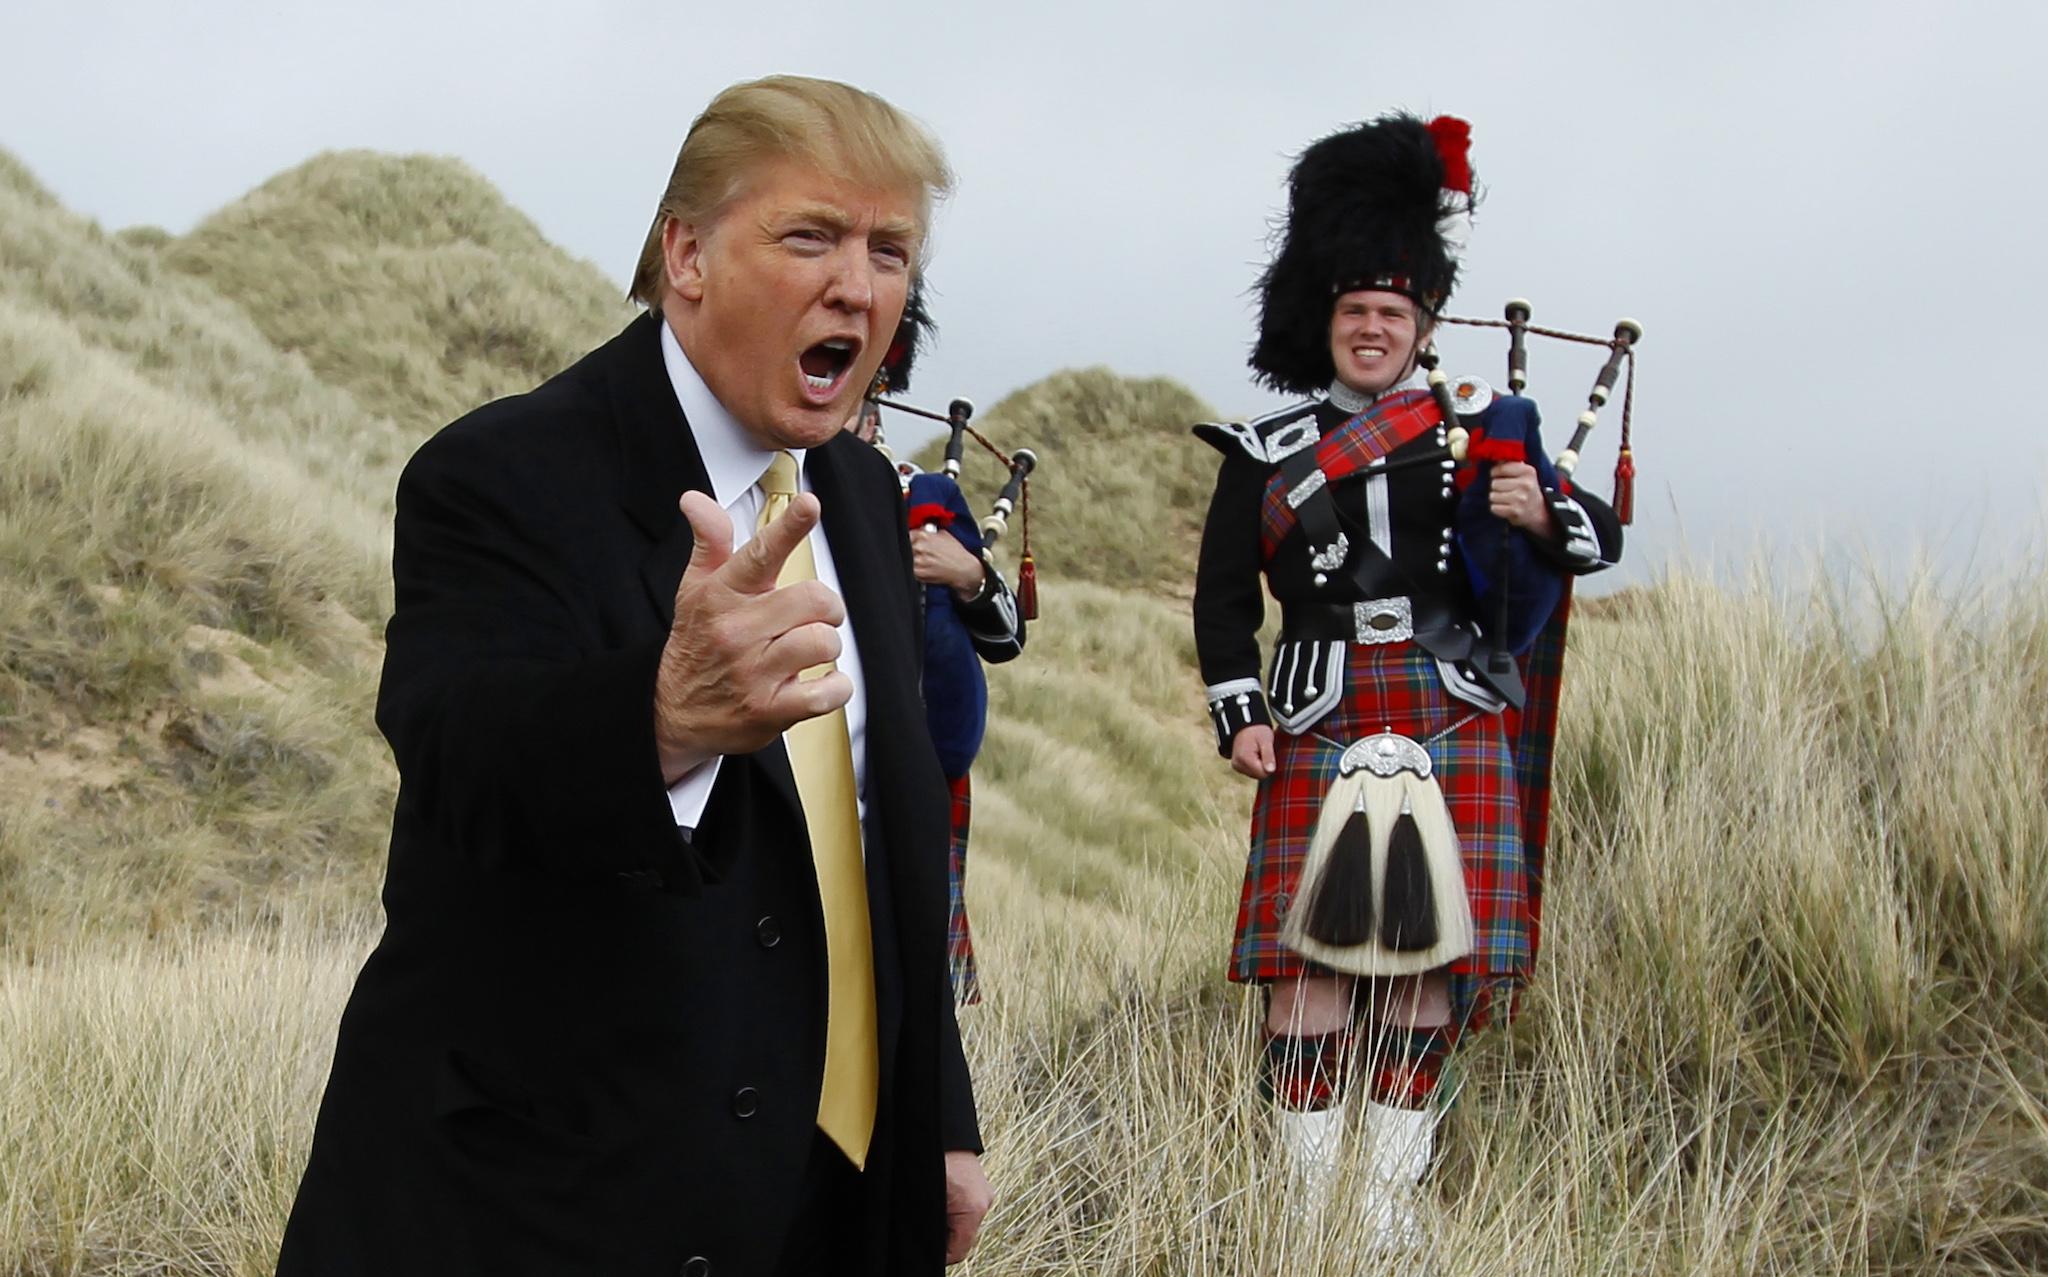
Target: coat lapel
658, 458
877, 599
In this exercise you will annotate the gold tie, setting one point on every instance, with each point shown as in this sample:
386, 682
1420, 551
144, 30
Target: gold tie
822, 759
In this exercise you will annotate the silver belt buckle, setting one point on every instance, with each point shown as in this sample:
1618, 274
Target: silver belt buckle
1384, 620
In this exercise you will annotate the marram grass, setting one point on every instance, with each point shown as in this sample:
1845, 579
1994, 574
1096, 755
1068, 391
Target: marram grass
1789, 1017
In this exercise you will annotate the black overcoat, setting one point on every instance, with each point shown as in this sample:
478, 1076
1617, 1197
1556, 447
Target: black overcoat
585, 1044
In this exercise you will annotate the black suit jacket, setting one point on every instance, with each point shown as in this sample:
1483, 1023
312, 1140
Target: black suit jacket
584, 1044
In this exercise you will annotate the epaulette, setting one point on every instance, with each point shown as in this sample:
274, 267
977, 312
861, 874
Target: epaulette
1271, 438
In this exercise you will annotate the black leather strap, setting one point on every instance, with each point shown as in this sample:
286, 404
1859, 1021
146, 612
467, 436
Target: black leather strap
1300, 622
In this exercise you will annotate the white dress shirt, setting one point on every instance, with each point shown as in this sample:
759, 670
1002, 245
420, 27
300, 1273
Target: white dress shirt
736, 462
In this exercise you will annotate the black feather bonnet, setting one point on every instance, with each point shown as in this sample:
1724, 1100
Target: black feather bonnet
912, 331
1378, 205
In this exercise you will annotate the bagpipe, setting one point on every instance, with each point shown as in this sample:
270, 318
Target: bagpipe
1621, 354
1471, 395
1013, 498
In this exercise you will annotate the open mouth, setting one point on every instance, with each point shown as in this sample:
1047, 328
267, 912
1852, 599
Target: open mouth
825, 366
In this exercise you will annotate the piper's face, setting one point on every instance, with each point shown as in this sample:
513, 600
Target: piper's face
1374, 337
786, 302
867, 423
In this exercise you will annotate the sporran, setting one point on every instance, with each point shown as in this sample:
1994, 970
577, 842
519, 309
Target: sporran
1383, 890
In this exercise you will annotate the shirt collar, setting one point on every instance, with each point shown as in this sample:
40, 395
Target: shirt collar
732, 458
1346, 399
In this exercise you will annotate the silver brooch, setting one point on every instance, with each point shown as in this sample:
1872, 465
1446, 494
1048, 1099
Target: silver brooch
1470, 395
1332, 556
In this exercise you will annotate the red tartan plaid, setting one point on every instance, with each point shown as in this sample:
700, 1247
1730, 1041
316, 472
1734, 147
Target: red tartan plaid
1395, 687
1307, 1074
959, 942
1351, 447
1532, 737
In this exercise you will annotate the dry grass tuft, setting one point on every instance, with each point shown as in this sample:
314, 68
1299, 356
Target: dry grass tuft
156, 1147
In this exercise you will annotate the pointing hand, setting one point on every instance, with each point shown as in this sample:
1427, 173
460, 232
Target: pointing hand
733, 670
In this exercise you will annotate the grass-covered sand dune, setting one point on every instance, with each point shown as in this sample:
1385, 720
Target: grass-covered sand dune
199, 438
1795, 983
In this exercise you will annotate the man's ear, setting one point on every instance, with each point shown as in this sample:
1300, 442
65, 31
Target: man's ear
682, 259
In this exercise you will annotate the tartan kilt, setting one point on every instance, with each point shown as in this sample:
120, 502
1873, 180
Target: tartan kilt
959, 941
1396, 687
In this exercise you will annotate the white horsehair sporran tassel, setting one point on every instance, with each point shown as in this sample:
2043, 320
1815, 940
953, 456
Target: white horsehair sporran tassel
1384, 812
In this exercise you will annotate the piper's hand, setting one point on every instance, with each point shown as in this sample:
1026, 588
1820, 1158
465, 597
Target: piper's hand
967, 1200
1251, 751
728, 680
938, 558
1515, 496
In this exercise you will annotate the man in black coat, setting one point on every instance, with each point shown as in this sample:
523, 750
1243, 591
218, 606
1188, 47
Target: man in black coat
594, 1036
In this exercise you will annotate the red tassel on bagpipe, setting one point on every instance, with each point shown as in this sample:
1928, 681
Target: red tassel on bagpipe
1625, 486
1027, 587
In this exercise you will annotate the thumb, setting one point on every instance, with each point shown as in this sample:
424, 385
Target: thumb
710, 532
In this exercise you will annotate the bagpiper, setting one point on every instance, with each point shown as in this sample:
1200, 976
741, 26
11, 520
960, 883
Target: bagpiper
1400, 737
971, 616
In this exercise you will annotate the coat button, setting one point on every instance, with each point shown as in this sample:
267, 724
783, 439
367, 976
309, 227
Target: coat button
768, 932
746, 1102
696, 1266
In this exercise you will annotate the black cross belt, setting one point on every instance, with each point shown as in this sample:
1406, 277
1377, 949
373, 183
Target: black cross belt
1316, 512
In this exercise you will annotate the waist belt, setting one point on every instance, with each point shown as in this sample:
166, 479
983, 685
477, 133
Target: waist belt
1390, 620
1463, 657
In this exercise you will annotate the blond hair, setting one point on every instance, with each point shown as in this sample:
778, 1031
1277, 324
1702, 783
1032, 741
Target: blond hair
835, 128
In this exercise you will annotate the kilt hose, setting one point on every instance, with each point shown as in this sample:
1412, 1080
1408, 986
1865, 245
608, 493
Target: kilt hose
959, 941
1395, 687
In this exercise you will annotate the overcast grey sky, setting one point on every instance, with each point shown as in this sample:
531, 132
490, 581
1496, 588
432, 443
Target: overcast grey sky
1824, 215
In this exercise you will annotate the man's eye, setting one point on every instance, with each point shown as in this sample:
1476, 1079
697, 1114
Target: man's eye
808, 237
895, 255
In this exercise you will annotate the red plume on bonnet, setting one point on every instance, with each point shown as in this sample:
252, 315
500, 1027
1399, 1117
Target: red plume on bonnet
1453, 138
